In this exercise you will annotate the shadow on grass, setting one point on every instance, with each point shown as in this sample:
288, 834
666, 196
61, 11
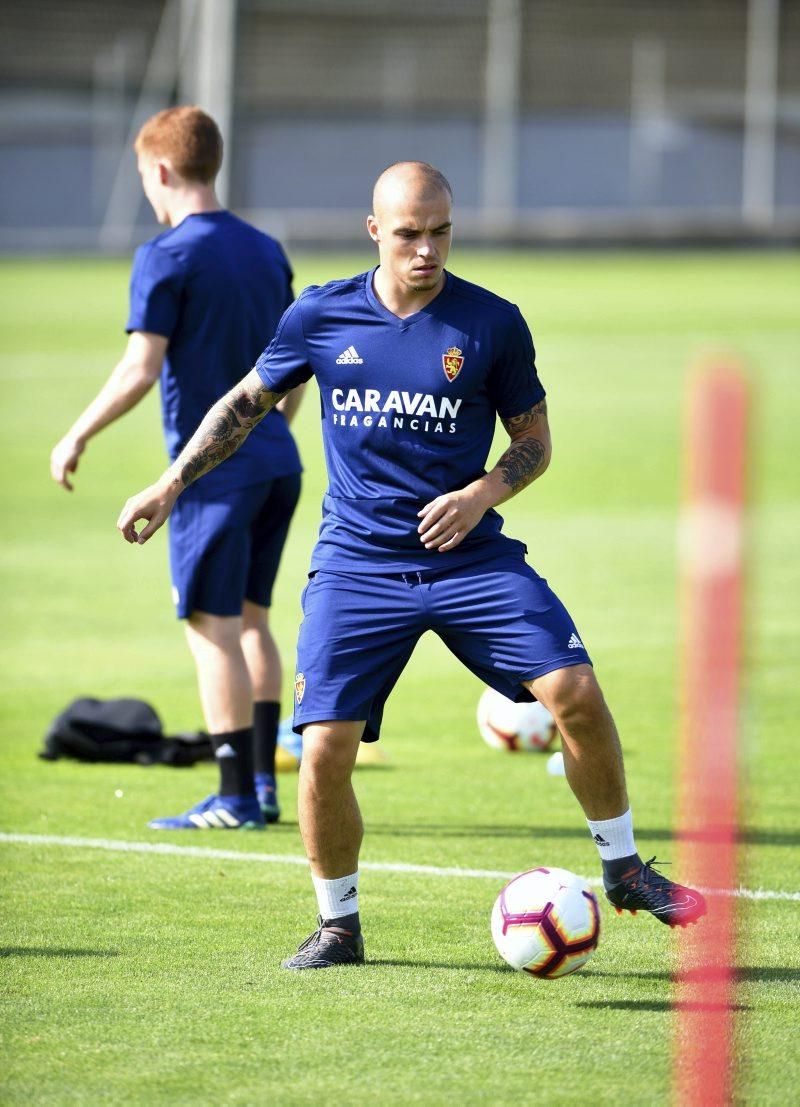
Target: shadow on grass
658, 1005
54, 951
449, 966
474, 830
747, 835
766, 974
750, 974
746, 973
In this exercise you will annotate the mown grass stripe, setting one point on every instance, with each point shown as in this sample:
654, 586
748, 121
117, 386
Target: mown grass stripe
168, 849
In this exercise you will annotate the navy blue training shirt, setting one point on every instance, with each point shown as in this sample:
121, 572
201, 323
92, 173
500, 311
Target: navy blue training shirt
216, 288
408, 412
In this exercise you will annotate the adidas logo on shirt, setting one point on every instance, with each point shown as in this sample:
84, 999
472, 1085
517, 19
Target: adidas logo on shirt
349, 357
574, 643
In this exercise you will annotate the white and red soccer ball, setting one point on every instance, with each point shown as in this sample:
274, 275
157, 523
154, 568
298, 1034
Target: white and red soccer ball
506, 725
546, 922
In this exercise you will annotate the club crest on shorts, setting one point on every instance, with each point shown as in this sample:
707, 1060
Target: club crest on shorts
452, 362
299, 687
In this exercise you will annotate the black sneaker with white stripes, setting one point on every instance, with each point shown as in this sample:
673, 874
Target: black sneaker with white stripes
327, 947
644, 889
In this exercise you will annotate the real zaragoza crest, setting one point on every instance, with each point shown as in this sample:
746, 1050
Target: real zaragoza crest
299, 687
452, 362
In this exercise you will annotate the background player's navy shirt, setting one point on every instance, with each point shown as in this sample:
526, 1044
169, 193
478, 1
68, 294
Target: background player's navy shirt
408, 412
216, 288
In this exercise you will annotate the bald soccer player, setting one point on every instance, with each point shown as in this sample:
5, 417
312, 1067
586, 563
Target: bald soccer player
413, 366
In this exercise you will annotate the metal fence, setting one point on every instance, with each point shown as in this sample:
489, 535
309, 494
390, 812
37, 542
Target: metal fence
561, 120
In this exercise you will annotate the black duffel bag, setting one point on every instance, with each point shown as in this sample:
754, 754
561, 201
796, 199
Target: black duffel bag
120, 730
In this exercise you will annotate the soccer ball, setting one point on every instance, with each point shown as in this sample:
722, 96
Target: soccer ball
546, 922
506, 725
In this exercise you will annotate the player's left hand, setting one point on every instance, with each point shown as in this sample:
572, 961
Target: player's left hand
64, 460
447, 520
153, 505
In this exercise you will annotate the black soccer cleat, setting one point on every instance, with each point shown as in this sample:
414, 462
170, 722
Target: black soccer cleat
327, 947
644, 889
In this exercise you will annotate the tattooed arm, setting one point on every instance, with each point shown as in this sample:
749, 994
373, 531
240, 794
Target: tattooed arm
225, 428
448, 519
219, 435
529, 453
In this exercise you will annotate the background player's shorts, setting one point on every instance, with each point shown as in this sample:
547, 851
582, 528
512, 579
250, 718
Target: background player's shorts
499, 617
223, 551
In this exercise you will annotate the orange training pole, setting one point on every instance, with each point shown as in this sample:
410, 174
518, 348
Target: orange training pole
712, 586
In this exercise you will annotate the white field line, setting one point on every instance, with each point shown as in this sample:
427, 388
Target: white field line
167, 849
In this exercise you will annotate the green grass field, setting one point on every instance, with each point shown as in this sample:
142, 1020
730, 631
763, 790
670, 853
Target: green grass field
139, 977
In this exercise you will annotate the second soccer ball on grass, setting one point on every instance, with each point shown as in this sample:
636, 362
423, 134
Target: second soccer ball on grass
506, 725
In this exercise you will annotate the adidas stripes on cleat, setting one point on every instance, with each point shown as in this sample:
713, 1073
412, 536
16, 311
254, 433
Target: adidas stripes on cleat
216, 813
326, 948
267, 796
644, 889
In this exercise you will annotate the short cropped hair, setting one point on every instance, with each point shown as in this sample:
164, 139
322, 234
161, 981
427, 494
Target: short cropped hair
433, 177
188, 137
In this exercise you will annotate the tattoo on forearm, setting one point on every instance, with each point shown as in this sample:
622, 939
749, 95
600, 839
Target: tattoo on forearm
225, 427
528, 419
250, 405
521, 463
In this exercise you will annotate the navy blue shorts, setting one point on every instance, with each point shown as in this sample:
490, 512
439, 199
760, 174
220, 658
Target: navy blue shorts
499, 617
224, 550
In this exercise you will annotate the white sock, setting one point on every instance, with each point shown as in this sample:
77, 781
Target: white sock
336, 898
613, 837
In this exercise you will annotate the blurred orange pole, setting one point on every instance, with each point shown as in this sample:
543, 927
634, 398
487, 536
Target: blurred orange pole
712, 587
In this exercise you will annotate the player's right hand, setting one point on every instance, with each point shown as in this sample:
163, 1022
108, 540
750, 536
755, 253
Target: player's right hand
153, 504
64, 460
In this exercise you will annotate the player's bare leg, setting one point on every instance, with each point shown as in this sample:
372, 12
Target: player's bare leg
592, 751
226, 698
223, 679
260, 653
331, 826
594, 769
330, 820
264, 666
